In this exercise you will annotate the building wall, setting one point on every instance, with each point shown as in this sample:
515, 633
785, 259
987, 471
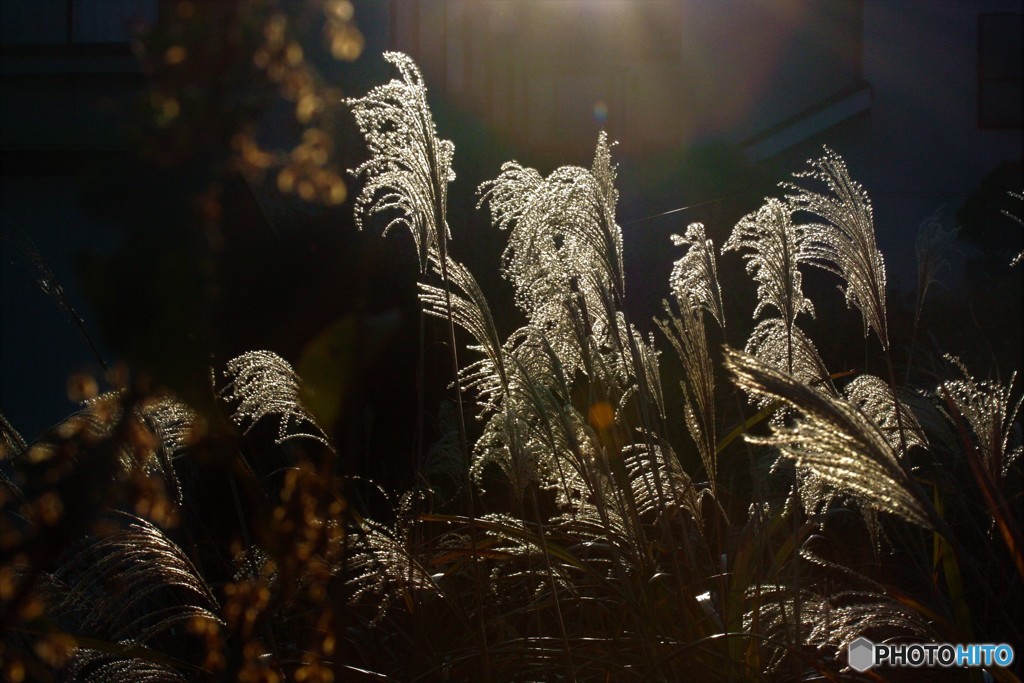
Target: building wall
920, 148
657, 74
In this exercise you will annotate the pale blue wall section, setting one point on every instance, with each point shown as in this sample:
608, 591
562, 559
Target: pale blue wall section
923, 148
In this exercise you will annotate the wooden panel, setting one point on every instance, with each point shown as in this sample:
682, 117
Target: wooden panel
655, 74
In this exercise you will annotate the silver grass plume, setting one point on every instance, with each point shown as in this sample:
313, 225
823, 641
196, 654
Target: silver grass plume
383, 569
131, 585
530, 261
470, 311
844, 242
499, 386
835, 620
381, 563
565, 260
530, 423
506, 442
95, 666
410, 167
694, 284
12, 448
641, 461
444, 459
564, 243
840, 618
568, 455
169, 420
814, 495
776, 620
874, 398
523, 572
831, 621
646, 356
172, 422
989, 410
774, 249
838, 626
12, 444
1019, 196
685, 332
254, 564
558, 442
695, 275
932, 243
833, 439
539, 435
262, 384
790, 350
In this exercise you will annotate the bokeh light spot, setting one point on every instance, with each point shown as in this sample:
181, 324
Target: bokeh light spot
176, 54
602, 415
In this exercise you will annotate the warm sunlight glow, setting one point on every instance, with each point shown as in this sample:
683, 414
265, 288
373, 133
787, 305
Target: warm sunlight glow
602, 416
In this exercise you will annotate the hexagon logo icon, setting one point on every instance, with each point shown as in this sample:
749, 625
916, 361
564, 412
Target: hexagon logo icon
861, 654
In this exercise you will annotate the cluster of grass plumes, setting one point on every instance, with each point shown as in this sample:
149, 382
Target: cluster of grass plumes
853, 505
742, 517
143, 541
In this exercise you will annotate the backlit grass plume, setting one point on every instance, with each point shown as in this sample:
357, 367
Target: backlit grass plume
695, 275
564, 244
775, 247
135, 587
262, 384
791, 351
685, 331
988, 408
844, 241
410, 167
832, 438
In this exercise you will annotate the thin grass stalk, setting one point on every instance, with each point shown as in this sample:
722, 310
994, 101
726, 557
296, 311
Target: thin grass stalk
756, 489
49, 283
645, 391
438, 203
990, 493
418, 453
896, 404
931, 244
964, 559
463, 440
420, 396
551, 579
633, 601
